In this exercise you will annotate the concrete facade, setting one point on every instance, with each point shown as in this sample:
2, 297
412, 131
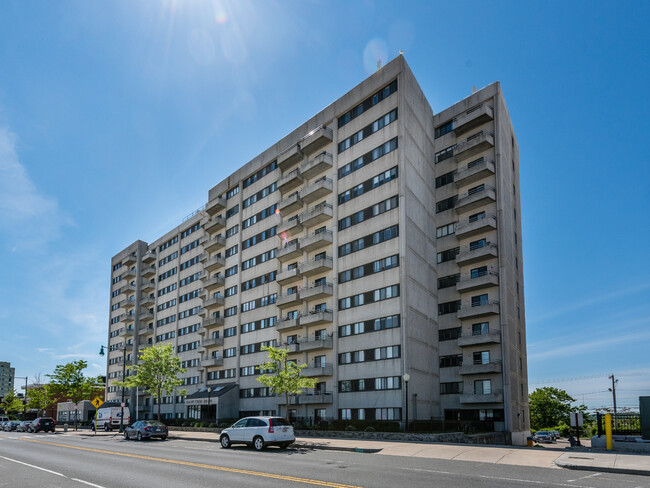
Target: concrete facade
375, 240
7, 375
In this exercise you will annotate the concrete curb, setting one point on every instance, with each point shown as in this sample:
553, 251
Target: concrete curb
601, 469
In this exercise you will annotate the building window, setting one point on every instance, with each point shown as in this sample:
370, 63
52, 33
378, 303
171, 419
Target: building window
446, 204
444, 154
449, 334
481, 328
448, 255
448, 307
359, 136
368, 158
448, 281
232, 211
369, 212
445, 179
265, 192
368, 241
443, 129
260, 174
368, 103
446, 230
232, 192
482, 387
481, 357
451, 388
369, 184
479, 300
451, 361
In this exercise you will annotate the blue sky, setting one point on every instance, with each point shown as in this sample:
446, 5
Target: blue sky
117, 117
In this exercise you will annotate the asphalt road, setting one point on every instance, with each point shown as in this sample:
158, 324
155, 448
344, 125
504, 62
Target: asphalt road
64, 460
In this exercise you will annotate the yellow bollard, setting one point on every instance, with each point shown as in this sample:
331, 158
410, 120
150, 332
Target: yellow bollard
608, 431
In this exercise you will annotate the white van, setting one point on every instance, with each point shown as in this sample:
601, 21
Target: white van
108, 418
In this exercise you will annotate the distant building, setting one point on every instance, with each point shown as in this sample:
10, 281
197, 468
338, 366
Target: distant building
375, 241
7, 375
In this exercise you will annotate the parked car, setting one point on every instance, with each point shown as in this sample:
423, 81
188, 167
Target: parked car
43, 424
146, 429
24, 426
259, 432
556, 433
11, 425
544, 436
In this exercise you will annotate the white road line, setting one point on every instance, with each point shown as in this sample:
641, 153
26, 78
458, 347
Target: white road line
87, 483
584, 477
35, 467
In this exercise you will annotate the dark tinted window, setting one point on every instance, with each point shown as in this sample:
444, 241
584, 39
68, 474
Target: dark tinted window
279, 421
256, 423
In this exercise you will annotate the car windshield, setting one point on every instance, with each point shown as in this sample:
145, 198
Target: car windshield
275, 422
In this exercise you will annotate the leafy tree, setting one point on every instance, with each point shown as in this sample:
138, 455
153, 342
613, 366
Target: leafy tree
41, 397
69, 381
283, 376
12, 404
157, 372
551, 406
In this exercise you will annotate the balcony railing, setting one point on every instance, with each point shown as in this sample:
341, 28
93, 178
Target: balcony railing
318, 190
317, 240
476, 197
474, 144
472, 254
473, 117
316, 266
317, 317
316, 139
316, 165
317, 214
317, 291
474, 171
481, 309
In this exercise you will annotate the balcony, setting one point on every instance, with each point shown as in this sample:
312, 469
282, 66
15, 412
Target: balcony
290, 227
481, 195
214, 224
210, 323
491, 367
210, 342
291, 180
316, 140
474, 171
493, 337
214, 243
316, 266
145, 315
127, 304
316, 215
494, 397
490, 308
127, 332
127, 318
317, 292
149, 258
472, 118
467, 228
290, 251
313, 399
317, 318
129, 288
215, 206
212, 303
317, 240
212, 282
145, 331
316, 165
318, 190
210, 362
147, 300
317, 371
468, 255
288, 276
289, 323
311, 345
129, 273
148, 271
289, 157
148, 285
214, 263
129, 259
289, 300
484, 280
290, 203
473, 145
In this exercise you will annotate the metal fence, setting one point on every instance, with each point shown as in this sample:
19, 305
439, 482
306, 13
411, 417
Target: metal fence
622, 424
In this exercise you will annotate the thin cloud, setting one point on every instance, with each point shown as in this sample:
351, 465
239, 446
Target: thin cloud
28, 218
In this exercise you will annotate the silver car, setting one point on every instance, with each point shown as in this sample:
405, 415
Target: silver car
259, 432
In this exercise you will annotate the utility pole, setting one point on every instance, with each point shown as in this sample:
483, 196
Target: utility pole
613, 390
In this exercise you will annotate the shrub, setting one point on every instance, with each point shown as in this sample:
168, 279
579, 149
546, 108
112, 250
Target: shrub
369, 429
351, 428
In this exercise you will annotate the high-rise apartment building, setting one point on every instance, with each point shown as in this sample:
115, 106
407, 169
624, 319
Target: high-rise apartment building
377, 240
7, 375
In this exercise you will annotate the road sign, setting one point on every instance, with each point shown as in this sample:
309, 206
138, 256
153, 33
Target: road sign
97, 402
122, 404
577, 419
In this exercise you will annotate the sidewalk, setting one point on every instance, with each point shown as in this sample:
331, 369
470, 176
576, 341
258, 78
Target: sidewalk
546, 457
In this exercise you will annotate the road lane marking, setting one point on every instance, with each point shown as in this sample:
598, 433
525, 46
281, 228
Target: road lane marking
199, 465
32, 466
86, 483
584, 477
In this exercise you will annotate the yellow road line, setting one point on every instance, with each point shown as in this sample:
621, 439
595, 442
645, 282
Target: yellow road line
199, 465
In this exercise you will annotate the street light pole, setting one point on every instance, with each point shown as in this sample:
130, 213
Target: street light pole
101, 353
209, 390
25, 395
406, 379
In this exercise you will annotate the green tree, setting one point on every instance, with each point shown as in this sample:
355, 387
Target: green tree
283, 376
157, 372
39, 398
12, 404
68, 381
551, 406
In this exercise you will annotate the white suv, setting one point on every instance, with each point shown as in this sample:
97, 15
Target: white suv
259, 432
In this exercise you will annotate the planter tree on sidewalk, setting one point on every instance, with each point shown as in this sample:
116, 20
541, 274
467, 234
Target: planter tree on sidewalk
68, 381
157, 372
12, 404
283, 376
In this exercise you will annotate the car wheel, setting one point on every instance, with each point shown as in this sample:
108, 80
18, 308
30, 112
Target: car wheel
258, 443
106, 429
225, 441
164, 438
126, 435
284, 445
139, 436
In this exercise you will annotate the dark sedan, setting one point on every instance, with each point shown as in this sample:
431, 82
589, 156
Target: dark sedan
146, 429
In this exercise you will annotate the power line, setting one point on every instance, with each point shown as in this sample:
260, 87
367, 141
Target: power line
563, 380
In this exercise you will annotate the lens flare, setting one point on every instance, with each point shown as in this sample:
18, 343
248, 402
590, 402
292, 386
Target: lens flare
375, 52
